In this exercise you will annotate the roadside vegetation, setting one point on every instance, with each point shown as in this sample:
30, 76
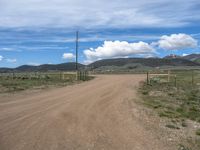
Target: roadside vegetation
177, 100
13, 82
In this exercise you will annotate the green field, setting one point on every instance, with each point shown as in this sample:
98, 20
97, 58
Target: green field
11, 82
176, 100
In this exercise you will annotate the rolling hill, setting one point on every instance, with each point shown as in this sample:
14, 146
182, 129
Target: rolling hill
193, 57
116, 64
146, 62
46, 67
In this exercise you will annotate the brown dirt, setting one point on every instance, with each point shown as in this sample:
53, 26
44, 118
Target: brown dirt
99, 114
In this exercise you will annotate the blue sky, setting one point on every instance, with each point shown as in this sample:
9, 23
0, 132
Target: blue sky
38, 31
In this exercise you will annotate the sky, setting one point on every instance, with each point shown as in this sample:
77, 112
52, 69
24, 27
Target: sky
35, 32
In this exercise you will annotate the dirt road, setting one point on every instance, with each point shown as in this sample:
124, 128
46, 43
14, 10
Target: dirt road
93, 115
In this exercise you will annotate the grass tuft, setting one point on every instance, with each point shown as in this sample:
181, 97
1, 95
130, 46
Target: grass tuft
198, 132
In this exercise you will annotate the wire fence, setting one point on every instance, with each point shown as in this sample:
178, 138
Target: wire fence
80, 75
175, 77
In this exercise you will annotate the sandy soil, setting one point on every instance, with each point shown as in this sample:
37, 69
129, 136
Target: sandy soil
99, 114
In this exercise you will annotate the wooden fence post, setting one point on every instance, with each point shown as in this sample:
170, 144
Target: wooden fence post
76, 75
175, 82
63, 75
84, 75
192, 77
147, 78
13, 75
168, 76
87, 74
39, 75
60, 75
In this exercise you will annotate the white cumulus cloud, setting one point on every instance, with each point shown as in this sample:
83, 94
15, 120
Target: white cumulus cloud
11, 60
177, 42
117, 49
1, 58
184, 54
68, 56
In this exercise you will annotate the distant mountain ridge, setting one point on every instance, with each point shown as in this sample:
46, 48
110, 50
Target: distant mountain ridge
46, 67
50, 67
148, 62
192, 57
129, 63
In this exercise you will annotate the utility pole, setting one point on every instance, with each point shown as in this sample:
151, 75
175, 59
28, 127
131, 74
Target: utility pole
77, 36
